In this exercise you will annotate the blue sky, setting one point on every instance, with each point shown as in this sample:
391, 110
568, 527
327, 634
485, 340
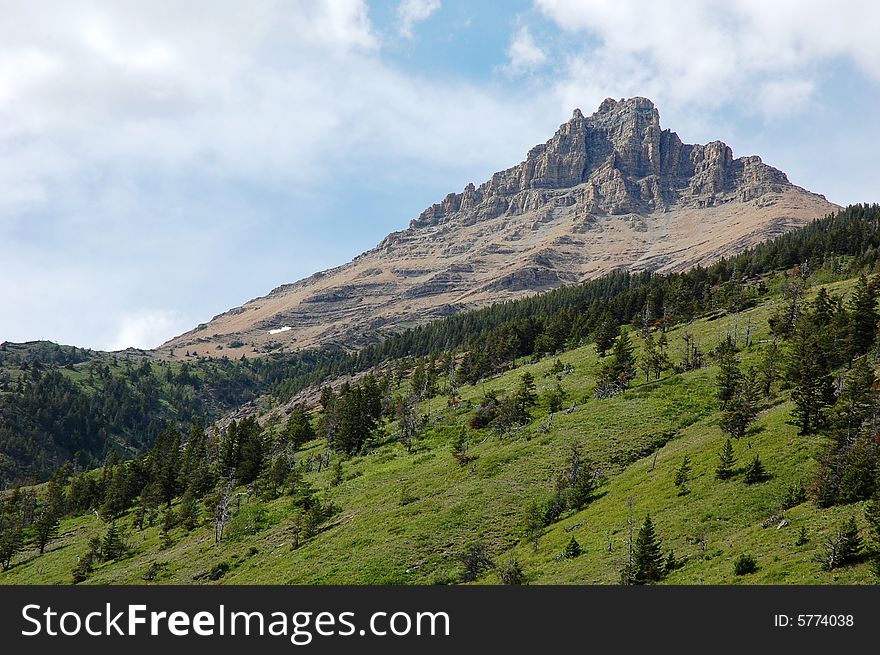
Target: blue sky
162, 162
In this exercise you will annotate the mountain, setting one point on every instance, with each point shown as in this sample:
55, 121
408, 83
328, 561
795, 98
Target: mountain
610, 191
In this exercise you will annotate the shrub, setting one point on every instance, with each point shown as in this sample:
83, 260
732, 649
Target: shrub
511, 572
572, 550
745, 564
218, 571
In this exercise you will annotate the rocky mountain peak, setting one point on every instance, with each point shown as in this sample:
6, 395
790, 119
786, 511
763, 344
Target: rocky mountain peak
607, 191
616, 161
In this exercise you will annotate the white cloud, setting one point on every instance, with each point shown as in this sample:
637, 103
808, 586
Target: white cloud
523, 53
715, 52
778, 98
146, 329
411, 12
143, 147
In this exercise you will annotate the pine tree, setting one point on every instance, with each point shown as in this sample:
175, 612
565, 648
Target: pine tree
557, 399
606, 334
769, 368
863, 318
742, 409
842, 547
619, 369
298, 430
810, 378
11, 529
49, 519
729, 376
525, 394
572, 549
647, 557
252, 451
661, 359
726, 460
857, 405
113, 547
682, 476
755, 472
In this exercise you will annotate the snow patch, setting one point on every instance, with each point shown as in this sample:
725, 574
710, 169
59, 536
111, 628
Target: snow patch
280, 330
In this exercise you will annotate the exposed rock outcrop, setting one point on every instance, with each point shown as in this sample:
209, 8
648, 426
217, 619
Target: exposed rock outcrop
609, 191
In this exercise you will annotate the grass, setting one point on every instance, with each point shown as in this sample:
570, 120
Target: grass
405, 517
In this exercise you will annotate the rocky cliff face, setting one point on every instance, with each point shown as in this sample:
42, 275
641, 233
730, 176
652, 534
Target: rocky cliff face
608, 191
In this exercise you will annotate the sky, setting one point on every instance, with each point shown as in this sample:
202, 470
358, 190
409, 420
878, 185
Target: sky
162, 162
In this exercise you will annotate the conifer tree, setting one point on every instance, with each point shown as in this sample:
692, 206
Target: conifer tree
298, 429
606, 334
619, 369
863, 318
725, 461
113, 547
525, 394
647, 556
809, 377
557, 399
683, 476
11, 529
729, 376
755, 471
857, 405
49, 519
572, 549
742, 408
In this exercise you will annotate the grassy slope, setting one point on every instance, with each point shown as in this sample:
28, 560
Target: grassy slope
404, 517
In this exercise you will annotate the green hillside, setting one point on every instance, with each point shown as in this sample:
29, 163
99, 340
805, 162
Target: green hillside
410, 517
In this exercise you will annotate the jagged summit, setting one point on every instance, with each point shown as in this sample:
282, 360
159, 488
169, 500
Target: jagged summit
624, 163
609, 191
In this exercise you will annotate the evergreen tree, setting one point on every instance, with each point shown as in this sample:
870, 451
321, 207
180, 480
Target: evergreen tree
842, 547
606, 334
755, 471
683, 476
278, 476
742, 408
188, 510
726, 460
556, 399
769, 368
809, 377
298, 430
11, 529
49, 519
229, 449
252, 451
409, 424
857, 405
619, 370
647, 556
113, 547
729, 377
572, 549
863, 318
165, 464
525, 393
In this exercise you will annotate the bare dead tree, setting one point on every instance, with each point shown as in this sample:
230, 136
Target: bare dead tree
222, 512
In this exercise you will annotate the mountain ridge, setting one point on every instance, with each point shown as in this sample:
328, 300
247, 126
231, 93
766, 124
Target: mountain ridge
607, 192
